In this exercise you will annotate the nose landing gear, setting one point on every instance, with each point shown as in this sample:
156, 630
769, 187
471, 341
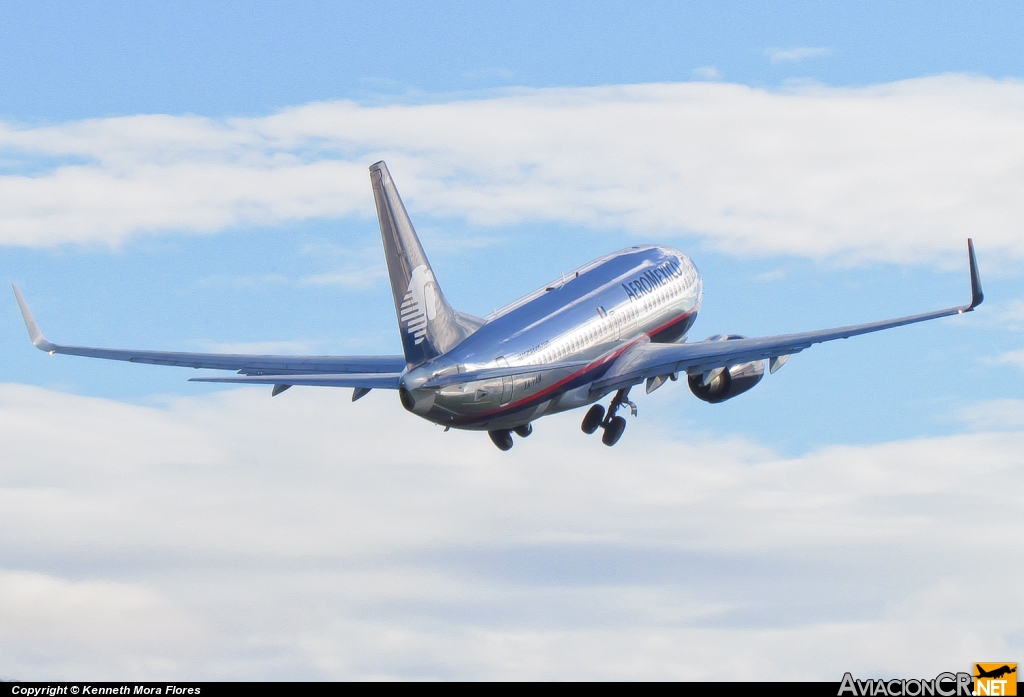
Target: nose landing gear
613, 425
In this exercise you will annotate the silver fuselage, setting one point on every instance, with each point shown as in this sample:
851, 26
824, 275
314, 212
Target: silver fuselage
588, 317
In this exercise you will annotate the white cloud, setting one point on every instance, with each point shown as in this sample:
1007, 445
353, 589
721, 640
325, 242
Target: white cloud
108, 619
238, 536
250, 281
769, 276
796, 54
996, 414
350, 278
1012, 358
706, 72
349, 268
901, 171
1009, 315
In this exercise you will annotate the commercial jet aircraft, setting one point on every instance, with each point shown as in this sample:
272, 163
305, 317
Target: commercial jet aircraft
616, 322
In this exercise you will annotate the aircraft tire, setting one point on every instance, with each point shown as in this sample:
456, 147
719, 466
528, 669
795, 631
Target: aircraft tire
592, 421
523, 431
613, 431
502, 439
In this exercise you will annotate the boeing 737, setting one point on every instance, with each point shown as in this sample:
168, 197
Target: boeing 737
610, 325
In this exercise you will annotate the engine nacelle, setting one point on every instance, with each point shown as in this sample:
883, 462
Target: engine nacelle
734, 380
417, 400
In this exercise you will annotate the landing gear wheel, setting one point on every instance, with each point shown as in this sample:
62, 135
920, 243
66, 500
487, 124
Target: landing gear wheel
592, 421
524, 430
613, 430
502, 439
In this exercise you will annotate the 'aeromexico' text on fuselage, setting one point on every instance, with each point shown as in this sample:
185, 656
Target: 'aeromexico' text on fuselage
651, 280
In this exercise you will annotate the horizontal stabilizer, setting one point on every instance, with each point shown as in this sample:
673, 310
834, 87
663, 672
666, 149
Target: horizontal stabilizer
502, 372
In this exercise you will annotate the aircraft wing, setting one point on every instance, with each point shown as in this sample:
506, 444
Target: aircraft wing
247, 364
652, 360
368, 381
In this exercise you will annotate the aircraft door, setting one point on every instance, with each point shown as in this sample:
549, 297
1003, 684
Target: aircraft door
616, 320
506, 383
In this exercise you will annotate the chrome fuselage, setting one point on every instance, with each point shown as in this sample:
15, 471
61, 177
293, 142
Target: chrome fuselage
588, 318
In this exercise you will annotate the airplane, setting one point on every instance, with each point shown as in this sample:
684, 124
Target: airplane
995, 673
614, 323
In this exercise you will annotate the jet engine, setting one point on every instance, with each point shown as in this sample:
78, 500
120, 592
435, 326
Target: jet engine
414, 398
725, 383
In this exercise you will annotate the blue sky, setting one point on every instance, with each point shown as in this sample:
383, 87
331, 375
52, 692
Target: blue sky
193, 177
82, 60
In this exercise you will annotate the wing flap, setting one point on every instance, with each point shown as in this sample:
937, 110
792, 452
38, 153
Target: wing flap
369, 381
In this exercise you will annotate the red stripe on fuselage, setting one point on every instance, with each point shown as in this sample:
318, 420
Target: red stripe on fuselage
596, 364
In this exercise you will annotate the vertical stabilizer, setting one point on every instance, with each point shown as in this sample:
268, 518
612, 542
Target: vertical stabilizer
429, 325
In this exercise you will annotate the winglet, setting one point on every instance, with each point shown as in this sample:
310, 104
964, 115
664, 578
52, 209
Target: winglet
976, 295
38, 340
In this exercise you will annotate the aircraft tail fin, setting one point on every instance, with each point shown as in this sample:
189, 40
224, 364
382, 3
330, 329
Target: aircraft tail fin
429, 325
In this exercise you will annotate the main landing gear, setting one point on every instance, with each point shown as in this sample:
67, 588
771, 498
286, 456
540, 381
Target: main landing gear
503, 438
613, 425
